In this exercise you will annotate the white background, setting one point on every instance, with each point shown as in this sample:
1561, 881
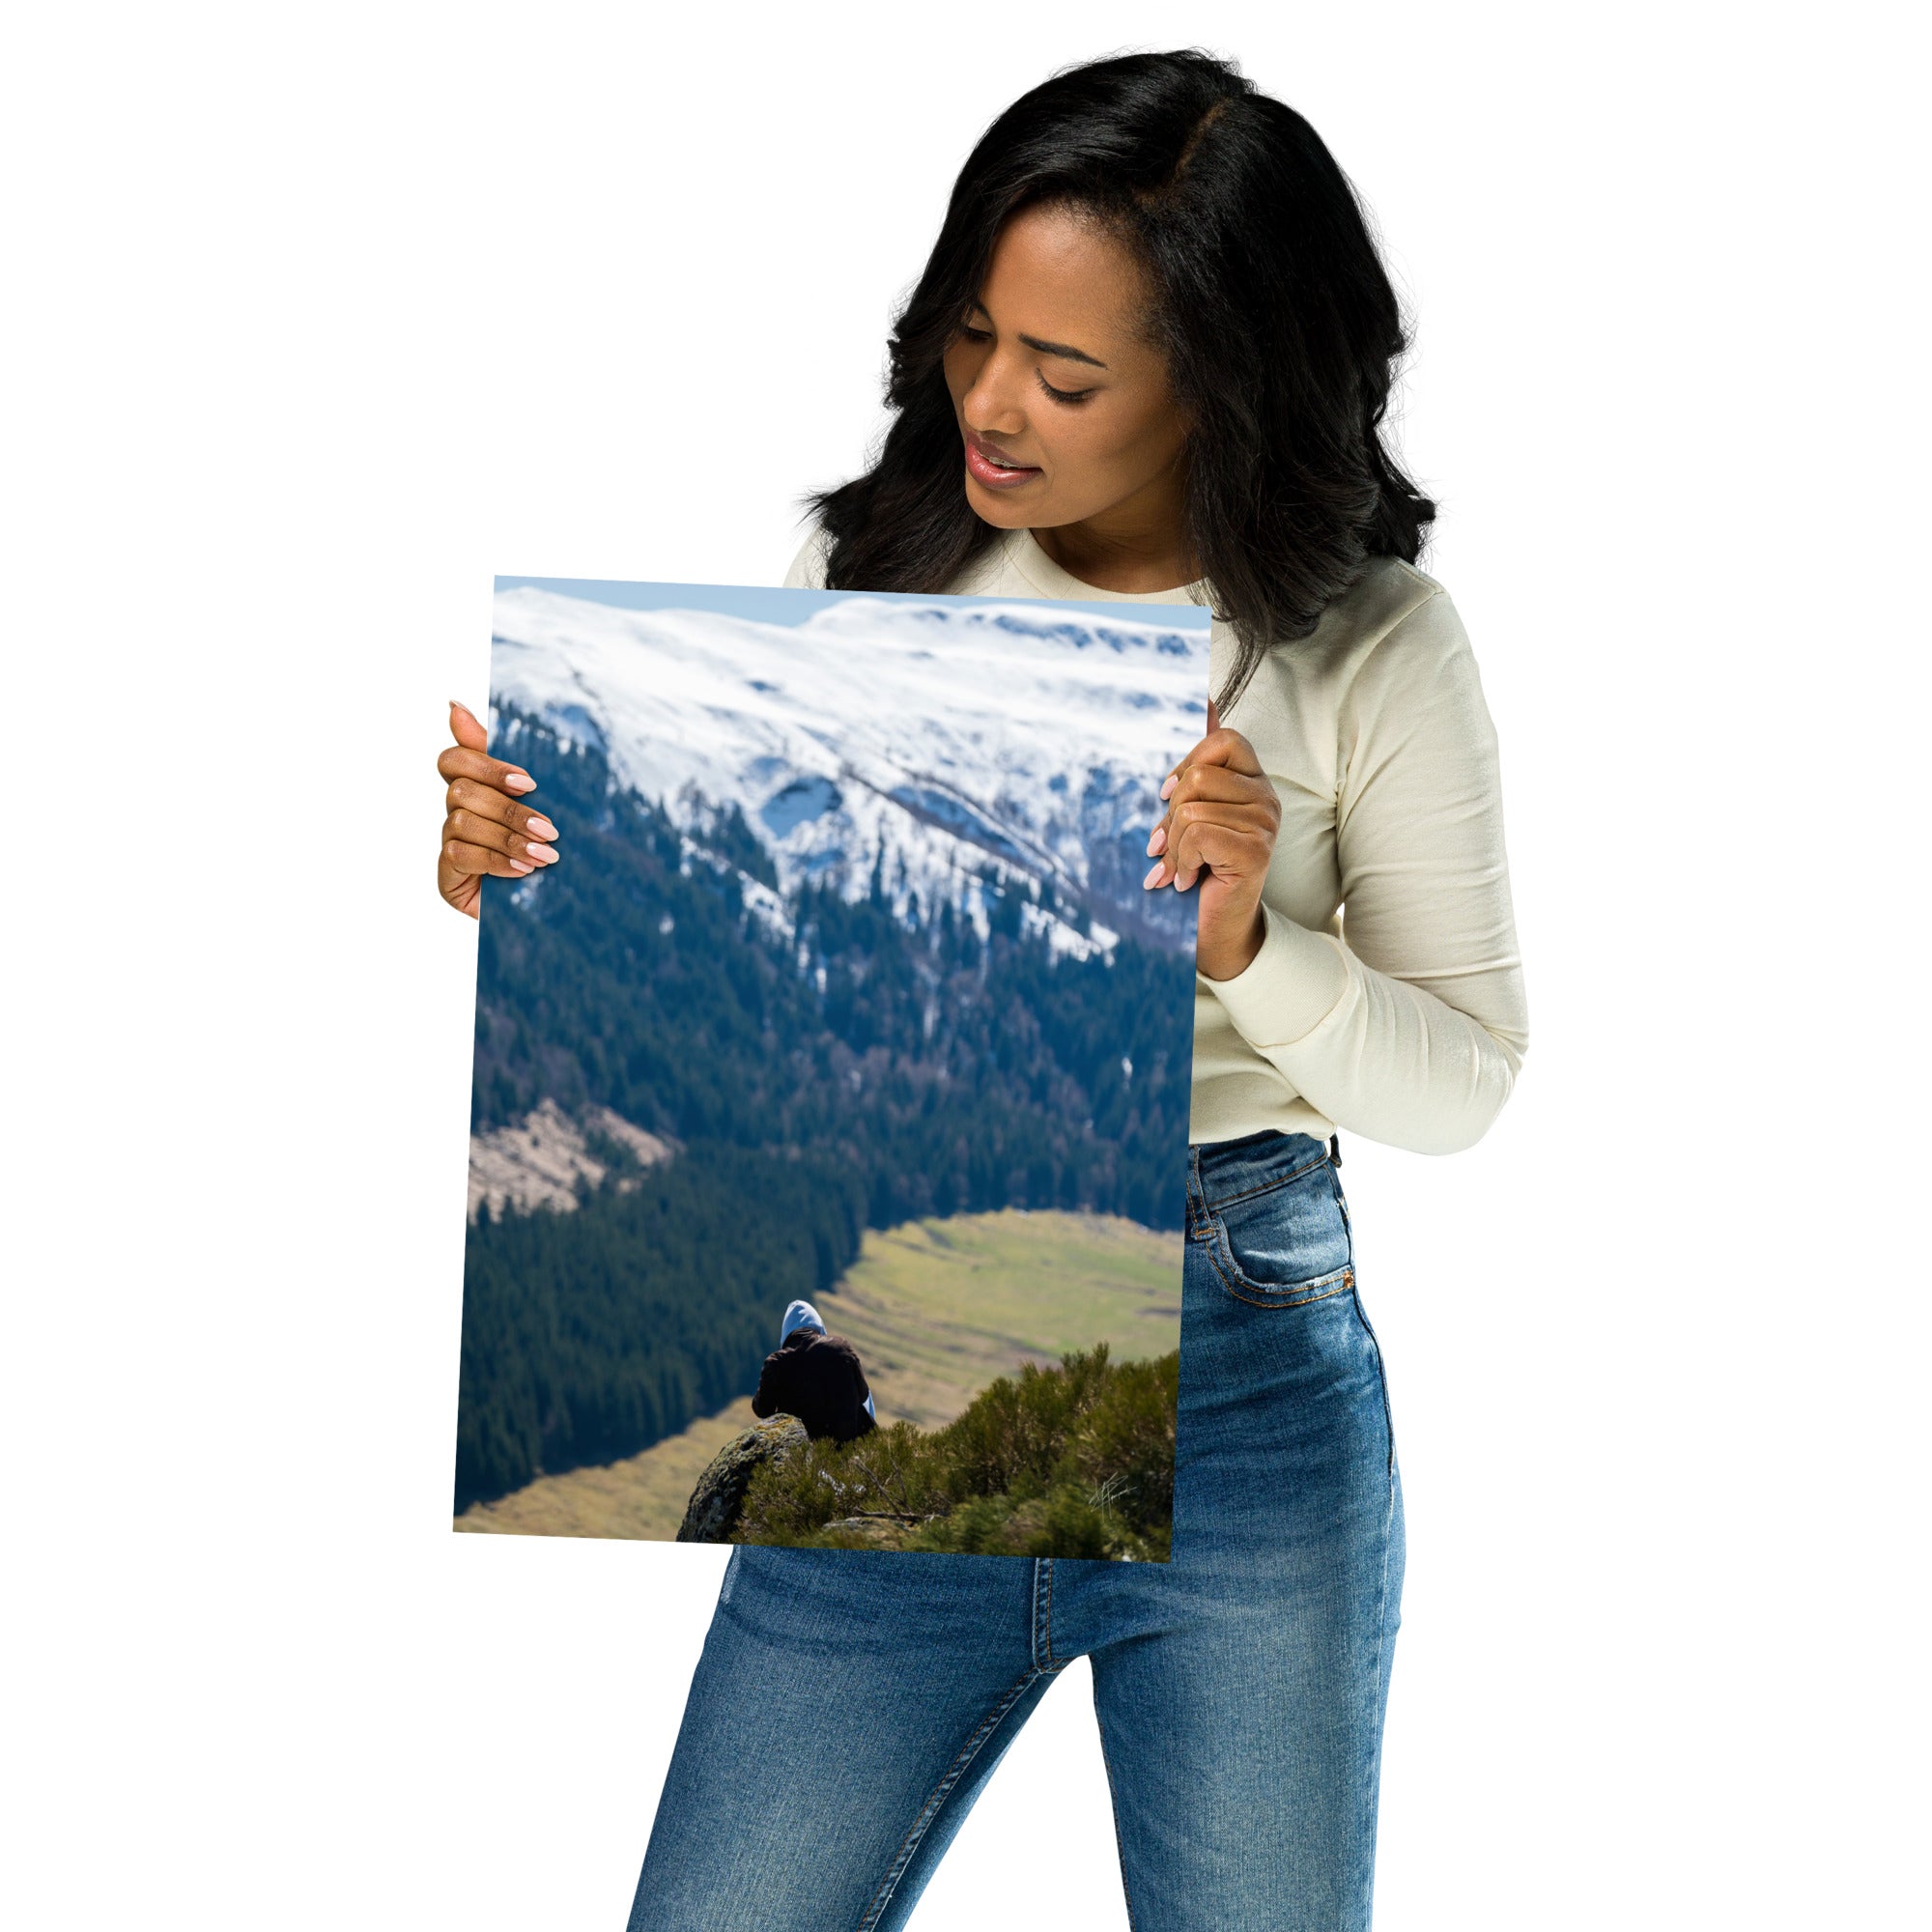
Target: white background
317, 317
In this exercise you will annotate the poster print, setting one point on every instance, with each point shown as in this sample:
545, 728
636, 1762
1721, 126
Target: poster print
830, 1092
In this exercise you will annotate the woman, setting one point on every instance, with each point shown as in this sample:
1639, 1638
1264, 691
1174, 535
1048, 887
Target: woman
1148, 359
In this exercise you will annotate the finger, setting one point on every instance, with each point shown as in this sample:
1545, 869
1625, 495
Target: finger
461, 762
1219, 748
467, 728
1236, 848
1258, 814
486, 802
472, 828
1217, 785
1217, 781
457, 856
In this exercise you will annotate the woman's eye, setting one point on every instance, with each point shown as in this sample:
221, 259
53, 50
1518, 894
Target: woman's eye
973, 334
1064, 395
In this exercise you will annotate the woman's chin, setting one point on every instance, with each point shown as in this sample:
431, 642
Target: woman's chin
999, 508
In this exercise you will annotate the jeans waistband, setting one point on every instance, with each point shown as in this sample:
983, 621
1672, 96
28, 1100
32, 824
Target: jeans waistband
1220, 1170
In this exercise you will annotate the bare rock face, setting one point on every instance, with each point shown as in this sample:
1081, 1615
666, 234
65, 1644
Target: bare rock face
719, 1498
537, 1161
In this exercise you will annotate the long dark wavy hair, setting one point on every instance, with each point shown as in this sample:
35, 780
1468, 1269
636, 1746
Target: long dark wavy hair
1270, 304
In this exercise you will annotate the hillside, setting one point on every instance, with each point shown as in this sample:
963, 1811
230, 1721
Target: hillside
937, 1309
932, 742
542, 1160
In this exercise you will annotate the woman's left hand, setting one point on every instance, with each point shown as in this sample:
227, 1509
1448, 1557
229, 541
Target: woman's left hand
1219, 831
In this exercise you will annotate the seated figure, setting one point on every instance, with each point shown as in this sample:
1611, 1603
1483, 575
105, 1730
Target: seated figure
818, 1378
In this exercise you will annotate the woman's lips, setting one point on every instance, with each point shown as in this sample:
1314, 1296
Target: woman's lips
985, 464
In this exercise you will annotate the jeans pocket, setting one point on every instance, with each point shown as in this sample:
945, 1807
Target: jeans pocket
1286, 1243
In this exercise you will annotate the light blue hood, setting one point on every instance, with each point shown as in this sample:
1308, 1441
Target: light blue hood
800, 1315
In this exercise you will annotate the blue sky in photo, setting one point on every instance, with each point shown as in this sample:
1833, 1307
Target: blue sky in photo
765, 605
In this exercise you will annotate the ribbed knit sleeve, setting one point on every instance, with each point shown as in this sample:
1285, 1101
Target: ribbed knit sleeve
1410, 1027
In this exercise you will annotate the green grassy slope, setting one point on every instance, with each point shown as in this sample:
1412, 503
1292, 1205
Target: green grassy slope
937, 1309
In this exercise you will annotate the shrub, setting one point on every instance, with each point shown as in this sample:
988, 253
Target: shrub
1071, 1461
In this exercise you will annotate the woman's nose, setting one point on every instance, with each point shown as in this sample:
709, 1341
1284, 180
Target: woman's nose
991, 404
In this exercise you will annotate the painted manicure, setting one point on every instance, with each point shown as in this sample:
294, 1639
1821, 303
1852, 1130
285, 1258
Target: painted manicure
518, 865
519, 781
1152, 877
1158, 842
1167, 790
541, 828
544, 855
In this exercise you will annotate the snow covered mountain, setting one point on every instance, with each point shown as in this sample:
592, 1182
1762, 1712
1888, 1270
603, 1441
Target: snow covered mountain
942, 743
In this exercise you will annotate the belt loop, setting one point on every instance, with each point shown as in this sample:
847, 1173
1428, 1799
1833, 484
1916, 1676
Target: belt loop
1335, 1150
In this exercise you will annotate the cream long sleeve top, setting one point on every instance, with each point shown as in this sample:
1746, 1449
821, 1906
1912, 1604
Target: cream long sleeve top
1387, 998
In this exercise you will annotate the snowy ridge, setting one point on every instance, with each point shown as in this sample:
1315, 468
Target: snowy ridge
945, 742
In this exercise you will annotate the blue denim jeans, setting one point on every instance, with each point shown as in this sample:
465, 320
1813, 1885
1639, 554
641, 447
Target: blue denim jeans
849, 1705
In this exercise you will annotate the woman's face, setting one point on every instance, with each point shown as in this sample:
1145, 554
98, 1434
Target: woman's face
1064, 408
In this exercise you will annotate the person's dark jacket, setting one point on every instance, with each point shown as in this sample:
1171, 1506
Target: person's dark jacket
818, 1378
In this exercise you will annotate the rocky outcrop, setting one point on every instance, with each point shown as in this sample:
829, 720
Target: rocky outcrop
536, 1162
719, 1498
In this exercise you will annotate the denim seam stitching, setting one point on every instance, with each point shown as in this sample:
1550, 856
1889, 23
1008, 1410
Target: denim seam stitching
1042, 1620
968, 1751
1267, 1186
1372, 1730
1388, 1409
1114, 1804
1370, 1779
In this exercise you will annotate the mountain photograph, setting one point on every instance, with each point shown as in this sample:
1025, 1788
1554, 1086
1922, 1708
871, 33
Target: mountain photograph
830, 1094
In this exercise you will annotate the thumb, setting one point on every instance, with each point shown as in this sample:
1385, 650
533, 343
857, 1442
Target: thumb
1214, 716
467, 728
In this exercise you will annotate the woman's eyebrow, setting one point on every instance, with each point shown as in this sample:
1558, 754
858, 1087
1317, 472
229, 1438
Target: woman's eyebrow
1062, 349
1065, 348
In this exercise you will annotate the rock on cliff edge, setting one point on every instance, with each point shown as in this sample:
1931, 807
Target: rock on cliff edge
719, 1496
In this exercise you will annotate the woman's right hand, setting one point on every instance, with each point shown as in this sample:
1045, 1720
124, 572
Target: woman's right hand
487, 829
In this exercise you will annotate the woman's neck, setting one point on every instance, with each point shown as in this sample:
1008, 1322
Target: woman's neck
1133, 547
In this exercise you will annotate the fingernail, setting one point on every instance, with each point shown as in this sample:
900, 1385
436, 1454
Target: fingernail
541, 828
1152, 877
1167, 790
519, 781
544, 855
518, 865
1158, 842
